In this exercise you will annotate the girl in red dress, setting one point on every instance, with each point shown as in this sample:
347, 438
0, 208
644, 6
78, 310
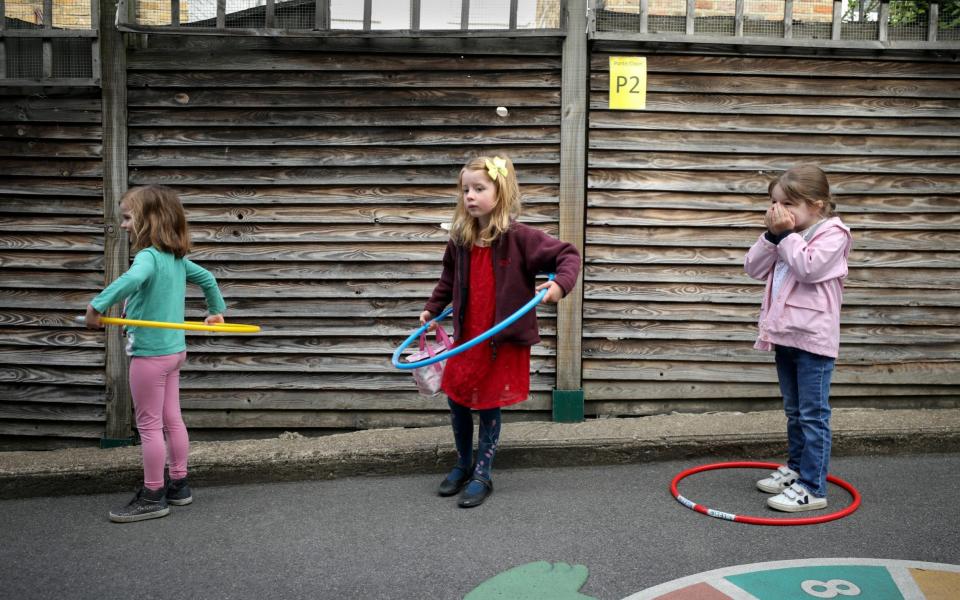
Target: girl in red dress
489, 268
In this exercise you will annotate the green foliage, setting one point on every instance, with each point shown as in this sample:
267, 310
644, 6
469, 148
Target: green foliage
906, 12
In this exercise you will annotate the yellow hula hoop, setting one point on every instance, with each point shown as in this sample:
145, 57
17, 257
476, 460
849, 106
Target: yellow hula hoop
187, 325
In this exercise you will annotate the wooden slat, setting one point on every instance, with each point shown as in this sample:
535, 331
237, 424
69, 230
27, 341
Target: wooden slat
276, 400
444, 193
326, 214
320, 80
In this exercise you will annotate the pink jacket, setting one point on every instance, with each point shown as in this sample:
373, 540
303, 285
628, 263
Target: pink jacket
806, 312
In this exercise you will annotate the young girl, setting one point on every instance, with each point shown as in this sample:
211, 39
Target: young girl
154, 289
803, 258
488, 273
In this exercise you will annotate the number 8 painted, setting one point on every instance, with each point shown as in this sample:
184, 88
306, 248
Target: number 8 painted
831, 589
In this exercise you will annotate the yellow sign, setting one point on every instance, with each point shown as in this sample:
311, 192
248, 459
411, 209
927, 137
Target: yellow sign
628, 82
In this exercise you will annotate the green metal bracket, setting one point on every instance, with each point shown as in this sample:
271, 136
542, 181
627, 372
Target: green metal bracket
567, 406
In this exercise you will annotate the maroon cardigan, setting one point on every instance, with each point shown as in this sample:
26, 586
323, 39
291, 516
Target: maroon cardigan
518, 256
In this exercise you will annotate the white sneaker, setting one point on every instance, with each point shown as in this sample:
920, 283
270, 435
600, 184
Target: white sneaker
779, 480
796, 498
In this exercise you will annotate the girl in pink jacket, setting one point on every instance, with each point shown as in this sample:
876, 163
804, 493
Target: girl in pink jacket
803, 259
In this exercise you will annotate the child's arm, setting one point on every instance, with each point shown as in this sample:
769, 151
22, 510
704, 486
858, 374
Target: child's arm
760, 258
547, 254
140, 271
443, 292
821, 259
211, 292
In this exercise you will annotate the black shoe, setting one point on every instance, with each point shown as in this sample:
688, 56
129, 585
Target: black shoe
147, 504
178, 492
470, 499
454, 481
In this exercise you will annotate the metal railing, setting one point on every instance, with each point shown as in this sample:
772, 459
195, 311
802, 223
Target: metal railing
828, 23
305, 18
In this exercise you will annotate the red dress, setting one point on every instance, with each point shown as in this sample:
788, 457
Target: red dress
477, 378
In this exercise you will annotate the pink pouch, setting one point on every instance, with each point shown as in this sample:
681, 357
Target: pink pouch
429, 377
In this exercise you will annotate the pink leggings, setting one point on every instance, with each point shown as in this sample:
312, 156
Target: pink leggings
155, 386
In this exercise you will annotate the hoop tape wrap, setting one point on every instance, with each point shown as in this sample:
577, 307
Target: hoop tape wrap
187, 325
761, 520
395, 359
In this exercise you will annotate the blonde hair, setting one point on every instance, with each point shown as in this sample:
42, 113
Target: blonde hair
465, 230
807, 184
158, 220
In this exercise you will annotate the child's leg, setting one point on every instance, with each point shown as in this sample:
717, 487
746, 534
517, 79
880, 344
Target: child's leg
787, 376
178, 442
814, 373
489, 438
462, 422
148, 380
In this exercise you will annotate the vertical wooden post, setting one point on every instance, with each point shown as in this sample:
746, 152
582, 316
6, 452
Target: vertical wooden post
837, 19
175, 13
367, 14
788, 19
3, 40
933, 21
414, 15
691, 17
738, 19
116, 251
644, 16
47, 56
883, 20
465, 15
568, 396
514, 7
269, 15
322, 15
221, 14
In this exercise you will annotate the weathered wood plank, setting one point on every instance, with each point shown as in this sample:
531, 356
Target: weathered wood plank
383, 77
773, 143
323, 400
34, 167
51, 393
51, 131
792, 105
838, 67
359, 117
354, 382
73, 357
338, 156
847, 161
59, 224
77, 242
89, 280
27, 428
696, 292
698, 349
298, 342
748, 123
851, 314
912, 373
62, 186
318, 175
287, 420
50, 149
775, 83
605, 254
280, 194
343, 252
58, 375
267, 98
307, 364
52, 260
51, 206
598, 390
756, 183
848, 203
699, 218
857, 278
334, 134
71, 338
290, 60
683, 236
352, 213
44, 411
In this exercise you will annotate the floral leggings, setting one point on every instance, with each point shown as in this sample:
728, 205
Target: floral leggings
462, 422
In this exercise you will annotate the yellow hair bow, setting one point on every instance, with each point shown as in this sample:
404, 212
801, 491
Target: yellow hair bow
496, 168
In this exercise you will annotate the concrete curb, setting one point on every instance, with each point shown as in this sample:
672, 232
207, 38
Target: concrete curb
291, 457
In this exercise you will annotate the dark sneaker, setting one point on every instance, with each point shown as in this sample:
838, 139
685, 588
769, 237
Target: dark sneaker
146, 504
178, 492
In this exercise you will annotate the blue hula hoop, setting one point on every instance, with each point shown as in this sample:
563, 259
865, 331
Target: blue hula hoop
468, 344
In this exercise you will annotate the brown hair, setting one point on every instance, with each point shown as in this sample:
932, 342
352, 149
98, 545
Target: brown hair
808, 184
158, 220
465, 229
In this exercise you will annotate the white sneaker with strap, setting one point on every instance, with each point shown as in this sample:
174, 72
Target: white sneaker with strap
796, 498
779, 480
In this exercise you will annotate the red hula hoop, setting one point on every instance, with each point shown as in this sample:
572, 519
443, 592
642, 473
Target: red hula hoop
761, 520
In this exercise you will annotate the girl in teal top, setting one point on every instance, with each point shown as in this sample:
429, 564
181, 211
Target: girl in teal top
154, 289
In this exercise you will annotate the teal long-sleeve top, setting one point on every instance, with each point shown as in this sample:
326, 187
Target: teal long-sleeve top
155, 288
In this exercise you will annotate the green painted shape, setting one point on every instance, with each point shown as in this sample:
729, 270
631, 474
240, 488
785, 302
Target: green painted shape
875, 583
567, 406
534, 581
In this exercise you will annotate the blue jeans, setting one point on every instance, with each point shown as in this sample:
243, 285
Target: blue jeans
805, 386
